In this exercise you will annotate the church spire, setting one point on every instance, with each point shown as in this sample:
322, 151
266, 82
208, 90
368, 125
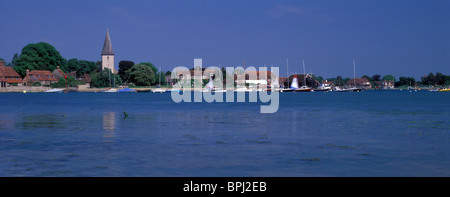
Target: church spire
107, 47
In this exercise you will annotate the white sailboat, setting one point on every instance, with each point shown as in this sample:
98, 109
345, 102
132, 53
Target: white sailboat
354, 88
159, 89
110, 90
304, 87
287, 72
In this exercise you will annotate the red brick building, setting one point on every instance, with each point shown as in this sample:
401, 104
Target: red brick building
9, 76
44, 77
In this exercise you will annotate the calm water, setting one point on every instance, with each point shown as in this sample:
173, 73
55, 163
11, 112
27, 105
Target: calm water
372, 133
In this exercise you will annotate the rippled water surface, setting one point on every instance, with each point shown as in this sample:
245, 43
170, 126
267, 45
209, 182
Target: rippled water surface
372, 133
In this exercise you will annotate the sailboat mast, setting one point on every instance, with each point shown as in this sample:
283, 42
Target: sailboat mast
304, 74
354, 74
287, 72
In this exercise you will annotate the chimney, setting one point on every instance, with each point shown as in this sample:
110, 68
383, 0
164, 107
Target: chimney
2, 62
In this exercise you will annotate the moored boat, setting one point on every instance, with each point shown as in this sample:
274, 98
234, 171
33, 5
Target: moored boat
54, 90
112, 90
158, 90
323, 88
303, 89
126, 90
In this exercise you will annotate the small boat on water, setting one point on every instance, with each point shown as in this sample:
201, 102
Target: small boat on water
338, 89
159, 90
55, 90
112, 90
126, 90
445, 90
287, 89
303, 89
355, 89
323, 88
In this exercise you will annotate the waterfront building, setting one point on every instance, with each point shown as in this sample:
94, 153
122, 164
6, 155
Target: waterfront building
44, 77
108, 54
359, 83
58, 73
387, 84
9, 76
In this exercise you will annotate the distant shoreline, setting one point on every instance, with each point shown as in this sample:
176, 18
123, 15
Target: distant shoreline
35, 89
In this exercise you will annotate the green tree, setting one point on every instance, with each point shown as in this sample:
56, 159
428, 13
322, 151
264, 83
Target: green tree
14, 59
71, 82
141, 75
429, 80
149, 64
440, 79
39, 56
124, 65
367, 77
317, 78
409, 81
163, 78
376, 78
81, 66
105, 79
339, 81
389, 78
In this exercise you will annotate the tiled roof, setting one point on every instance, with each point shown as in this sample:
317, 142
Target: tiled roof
62, 73
39, 75
358, 81
9, 75
86, 78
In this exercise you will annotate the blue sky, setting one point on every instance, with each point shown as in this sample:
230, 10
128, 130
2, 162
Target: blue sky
401, 37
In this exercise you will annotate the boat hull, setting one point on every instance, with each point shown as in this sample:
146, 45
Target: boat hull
287, 90
54, 91
110, 91
158, 90
322, 90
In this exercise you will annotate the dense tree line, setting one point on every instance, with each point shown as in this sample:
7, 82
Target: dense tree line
142, 74
43, 56
431, 79
39, 56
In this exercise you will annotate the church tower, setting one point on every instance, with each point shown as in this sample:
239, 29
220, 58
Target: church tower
108, 54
